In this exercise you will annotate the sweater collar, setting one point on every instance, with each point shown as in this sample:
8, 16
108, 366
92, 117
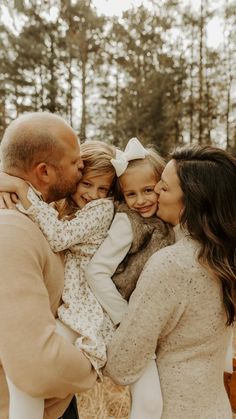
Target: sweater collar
180, 232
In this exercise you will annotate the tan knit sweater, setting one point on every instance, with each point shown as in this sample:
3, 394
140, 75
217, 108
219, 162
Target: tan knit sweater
36, 359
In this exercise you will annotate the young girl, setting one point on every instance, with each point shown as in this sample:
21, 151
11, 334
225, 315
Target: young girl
86, 217
135, 234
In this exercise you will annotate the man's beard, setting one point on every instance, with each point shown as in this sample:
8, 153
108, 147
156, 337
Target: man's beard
62, 188
59, 191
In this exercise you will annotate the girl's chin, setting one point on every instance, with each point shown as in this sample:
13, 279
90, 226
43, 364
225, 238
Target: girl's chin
147, 214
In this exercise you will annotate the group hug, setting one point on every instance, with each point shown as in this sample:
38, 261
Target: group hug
115, 263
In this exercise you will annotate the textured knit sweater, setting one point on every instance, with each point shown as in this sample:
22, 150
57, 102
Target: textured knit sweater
36, 359
176, 311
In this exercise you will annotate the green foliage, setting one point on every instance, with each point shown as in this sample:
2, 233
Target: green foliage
149, 74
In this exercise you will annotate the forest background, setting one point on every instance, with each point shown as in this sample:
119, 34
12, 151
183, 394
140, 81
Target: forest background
149, 73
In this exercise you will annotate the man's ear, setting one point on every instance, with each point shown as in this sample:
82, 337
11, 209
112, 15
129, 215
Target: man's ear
43, 172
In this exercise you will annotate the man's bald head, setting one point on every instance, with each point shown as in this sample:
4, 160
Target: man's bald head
30, 139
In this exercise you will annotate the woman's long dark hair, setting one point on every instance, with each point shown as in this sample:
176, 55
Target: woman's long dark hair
207, 177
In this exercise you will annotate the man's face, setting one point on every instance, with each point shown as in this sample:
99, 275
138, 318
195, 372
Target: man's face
67, 168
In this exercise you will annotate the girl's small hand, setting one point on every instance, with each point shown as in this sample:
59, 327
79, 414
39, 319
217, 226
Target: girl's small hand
12, 189
10, 183
8, 200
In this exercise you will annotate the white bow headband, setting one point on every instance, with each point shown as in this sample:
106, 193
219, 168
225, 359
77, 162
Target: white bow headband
134, 150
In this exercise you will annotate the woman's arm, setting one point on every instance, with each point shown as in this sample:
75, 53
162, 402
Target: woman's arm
104, 263
154, 304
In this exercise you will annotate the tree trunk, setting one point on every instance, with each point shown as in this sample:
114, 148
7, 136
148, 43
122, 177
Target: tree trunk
200, 114
191, 104
69, 96
83, 115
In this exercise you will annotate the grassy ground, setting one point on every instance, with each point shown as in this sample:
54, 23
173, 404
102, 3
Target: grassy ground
105, 401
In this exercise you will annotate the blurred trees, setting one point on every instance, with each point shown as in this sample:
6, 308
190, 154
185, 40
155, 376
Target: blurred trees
150, 74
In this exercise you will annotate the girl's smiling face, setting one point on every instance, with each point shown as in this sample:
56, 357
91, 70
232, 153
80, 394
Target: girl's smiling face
137, 185
92, 187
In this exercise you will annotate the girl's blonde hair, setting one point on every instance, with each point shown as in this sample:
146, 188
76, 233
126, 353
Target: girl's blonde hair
96, 156
156, 162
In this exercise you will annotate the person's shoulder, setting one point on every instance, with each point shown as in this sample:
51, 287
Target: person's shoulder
174, 251
121, 220
163, 270
20, 228
169, 256
178, 258
15, 219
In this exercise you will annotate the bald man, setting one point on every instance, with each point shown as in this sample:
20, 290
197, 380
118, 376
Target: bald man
42, 149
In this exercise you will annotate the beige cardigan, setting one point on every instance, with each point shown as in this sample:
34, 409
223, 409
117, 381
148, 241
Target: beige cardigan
36, 359
177, 312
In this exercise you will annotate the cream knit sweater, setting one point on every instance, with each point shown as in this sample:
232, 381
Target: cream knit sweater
176, 311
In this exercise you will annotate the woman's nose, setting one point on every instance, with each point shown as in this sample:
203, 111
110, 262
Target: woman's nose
157, 187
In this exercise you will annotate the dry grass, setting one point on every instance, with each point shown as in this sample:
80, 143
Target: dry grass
105, 401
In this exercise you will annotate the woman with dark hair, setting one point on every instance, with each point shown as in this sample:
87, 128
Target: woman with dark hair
183, 307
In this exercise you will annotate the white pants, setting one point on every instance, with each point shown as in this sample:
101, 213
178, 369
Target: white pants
23, 406
146, 394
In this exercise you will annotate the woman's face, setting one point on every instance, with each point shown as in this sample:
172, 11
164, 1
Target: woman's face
170, 195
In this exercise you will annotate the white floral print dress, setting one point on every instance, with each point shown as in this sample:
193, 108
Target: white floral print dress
79, 238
